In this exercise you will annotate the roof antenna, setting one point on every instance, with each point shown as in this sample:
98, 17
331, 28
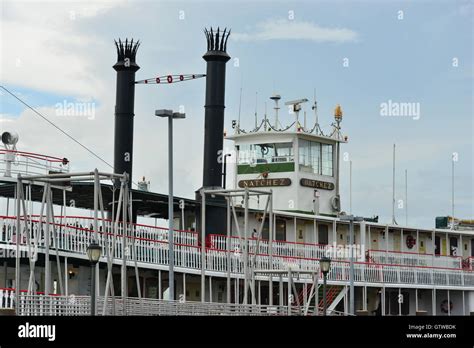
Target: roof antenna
256, 101
240, 108
394, 222
316, 122
265, 118
276, 98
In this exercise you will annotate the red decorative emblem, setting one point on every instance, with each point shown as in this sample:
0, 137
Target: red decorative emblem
410, 241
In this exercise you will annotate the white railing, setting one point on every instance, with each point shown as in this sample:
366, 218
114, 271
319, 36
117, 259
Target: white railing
414, 259
150, 245
154, 251
7, 298
28, 163
34, 305
374, 273
39, 305
141, 231
280, 248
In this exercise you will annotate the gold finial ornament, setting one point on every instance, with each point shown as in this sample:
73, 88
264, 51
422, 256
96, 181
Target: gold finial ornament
338, 113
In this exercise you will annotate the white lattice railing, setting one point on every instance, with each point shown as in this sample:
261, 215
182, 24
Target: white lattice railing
154, 251
150, 244
279, 248
35, 305
7, 298
415, 259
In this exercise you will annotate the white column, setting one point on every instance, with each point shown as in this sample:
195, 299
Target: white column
184, 287
418, 241
66, 278
449, 304
383, 301
259, 292
159, 285
294, 229
447, 244
416, 301
315, 231
401, 240
281, 290
364, 298
400, 302
362, 240
370, 237
210, 288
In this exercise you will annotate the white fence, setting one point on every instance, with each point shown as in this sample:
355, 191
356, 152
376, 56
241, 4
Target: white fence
153, 250
415, 259
7, 298
279, 248
39, 305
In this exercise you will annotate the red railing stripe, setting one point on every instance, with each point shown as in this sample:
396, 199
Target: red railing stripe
33, 155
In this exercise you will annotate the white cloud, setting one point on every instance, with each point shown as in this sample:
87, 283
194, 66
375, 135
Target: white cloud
43, 48
46, 50
282, 29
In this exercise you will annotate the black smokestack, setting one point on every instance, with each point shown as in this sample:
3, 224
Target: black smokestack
216, 58
124, 106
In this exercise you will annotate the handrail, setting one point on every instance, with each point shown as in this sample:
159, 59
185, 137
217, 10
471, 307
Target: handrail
25, 291
34, 155
274, 240
111, 234
107, 233
209, 251
413, 253
110, 220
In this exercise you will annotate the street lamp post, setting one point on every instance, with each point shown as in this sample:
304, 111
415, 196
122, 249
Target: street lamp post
351, 219
93, 253
325, 265
170, 115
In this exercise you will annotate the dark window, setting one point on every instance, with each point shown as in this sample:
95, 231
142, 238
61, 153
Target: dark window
132, 286
453, 243
437, 245
280, 230
394, 298
323, 234
266, 228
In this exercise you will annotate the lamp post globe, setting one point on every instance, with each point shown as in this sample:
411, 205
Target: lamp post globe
94, 251
325, 264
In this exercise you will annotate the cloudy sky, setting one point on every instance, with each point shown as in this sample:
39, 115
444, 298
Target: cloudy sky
359, 54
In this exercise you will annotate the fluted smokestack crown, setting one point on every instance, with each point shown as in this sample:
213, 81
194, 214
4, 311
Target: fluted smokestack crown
216, 44
126, 54
217, 41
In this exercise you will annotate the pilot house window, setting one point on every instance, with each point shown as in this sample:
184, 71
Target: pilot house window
265, 153
315, 157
